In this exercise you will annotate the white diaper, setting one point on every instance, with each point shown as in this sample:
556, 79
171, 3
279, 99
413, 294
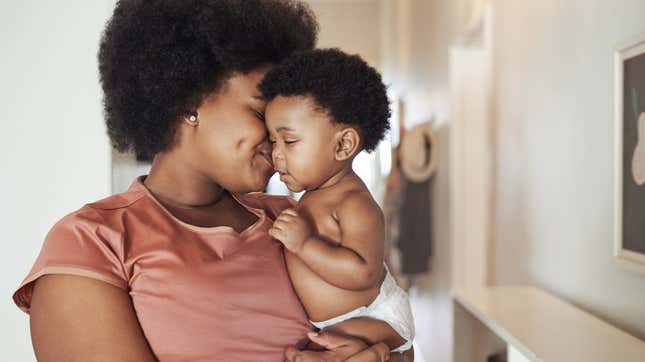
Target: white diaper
391, 306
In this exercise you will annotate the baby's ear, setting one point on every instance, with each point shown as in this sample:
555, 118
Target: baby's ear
347, 143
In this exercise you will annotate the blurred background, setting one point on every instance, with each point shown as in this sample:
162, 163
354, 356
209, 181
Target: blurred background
499, 170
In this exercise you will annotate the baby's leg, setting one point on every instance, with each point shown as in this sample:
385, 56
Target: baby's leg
370, 330
373, 331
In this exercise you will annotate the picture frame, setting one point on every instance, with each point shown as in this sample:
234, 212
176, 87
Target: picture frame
629, 152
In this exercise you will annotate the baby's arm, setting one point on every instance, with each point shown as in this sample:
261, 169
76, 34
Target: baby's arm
356, 263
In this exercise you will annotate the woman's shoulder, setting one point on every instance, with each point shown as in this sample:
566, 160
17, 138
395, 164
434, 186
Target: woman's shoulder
100, 221
272, 204
117, 201
87, 242
95, 224
100, 212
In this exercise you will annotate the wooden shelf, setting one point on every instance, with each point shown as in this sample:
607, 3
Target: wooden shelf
544, 328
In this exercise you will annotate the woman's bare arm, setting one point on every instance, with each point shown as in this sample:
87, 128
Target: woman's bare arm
81, 319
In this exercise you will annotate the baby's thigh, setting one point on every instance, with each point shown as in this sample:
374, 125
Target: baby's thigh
370, 330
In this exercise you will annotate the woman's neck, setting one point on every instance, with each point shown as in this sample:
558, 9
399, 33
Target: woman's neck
173, 181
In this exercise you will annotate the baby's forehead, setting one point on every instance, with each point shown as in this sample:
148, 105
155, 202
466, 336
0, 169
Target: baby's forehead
297, 113
299, 103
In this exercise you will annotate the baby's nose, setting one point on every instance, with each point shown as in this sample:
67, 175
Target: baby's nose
276, 154
278, 159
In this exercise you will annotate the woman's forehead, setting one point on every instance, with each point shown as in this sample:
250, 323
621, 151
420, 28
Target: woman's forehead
246, 83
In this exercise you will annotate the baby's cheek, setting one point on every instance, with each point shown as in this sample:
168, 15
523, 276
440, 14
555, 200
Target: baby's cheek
306, 171
294, 161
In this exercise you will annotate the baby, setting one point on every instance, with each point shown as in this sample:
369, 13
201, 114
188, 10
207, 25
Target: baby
324, 107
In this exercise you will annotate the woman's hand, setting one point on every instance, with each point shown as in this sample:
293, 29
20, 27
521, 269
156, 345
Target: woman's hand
338, 348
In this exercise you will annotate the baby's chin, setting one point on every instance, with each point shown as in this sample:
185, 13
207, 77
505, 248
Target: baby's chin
295, 188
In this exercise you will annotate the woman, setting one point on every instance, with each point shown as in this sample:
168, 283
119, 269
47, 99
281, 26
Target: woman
180, 267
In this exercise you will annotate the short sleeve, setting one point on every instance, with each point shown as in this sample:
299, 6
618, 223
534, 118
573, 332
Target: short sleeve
79, 244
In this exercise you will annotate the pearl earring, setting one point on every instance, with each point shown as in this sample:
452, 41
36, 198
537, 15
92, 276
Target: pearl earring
192, 119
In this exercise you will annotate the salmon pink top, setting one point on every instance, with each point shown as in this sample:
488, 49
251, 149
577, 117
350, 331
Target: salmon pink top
200, 293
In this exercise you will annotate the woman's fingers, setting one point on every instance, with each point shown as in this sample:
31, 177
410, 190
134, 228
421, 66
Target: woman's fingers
338, 348
378, 353
290, 354
328, 340
313, 356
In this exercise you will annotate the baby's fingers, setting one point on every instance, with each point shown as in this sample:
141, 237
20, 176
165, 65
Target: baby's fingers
275, 233
281, 224
291, 212
286, 217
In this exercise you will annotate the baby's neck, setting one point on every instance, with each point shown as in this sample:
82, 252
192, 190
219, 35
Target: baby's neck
344, 176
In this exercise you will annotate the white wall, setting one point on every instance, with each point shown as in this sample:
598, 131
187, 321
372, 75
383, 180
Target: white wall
417, 38
553, 109
352, 25
54, 152
554, 91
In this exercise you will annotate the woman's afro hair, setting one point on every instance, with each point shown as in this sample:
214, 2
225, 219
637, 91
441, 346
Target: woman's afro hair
344, 86
158, 59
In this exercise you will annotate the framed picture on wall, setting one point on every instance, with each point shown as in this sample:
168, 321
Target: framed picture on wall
629, 163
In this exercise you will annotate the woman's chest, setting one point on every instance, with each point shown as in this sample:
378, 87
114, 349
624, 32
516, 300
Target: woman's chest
190, 300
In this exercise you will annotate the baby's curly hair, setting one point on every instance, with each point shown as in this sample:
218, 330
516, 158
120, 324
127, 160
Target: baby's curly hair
159, 59
342, 85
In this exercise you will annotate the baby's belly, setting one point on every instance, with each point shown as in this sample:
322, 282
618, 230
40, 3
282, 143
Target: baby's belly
322, 300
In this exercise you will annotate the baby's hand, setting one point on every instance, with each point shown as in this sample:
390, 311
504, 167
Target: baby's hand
292, 230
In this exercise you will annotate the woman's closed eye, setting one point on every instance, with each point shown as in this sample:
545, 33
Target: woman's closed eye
258, 114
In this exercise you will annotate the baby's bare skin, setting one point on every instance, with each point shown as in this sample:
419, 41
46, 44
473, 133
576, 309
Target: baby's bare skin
322, 299
322, 295
334, 237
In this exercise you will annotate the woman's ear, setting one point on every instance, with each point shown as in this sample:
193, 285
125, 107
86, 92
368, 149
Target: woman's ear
347, 143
